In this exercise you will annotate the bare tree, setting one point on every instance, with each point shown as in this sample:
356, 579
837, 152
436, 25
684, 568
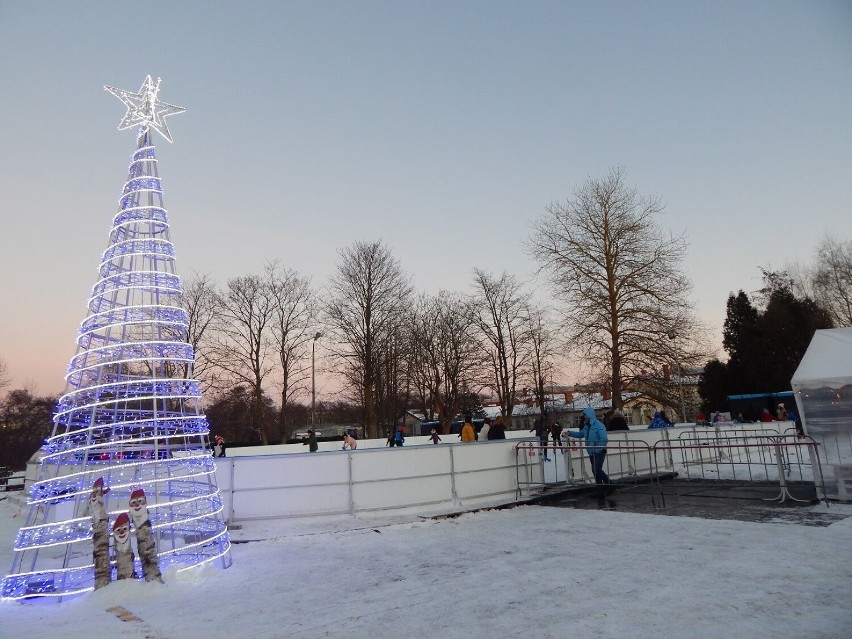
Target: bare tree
447, 357
542, 342
4, 374
243, 348
368, 297
832, 279
393, 387
621, 280
293, 332
200, 300
424, 372
498, 309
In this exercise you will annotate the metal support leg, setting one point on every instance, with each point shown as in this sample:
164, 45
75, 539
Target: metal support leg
782, 479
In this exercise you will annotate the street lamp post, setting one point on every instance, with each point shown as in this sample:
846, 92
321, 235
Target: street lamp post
680, 388
671, 335
313, 378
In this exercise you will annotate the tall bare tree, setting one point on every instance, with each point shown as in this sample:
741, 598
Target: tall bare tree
498, 309
620, 277
542, 341
447, 357
4, 374
244, 342
393, 387
425, 369
293, 331
200, 300
832, 279
368, 297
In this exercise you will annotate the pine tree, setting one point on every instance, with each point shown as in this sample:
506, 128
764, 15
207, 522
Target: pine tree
741, 338
131, 413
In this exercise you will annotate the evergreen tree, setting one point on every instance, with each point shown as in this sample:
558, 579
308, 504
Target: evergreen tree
786, 328
25, 421
764, 347
741, 339
713, 386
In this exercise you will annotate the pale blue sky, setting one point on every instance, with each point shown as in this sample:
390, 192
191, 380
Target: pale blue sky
444, 128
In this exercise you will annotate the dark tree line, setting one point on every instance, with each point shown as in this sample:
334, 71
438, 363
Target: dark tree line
764, 345
25, 422
233, 416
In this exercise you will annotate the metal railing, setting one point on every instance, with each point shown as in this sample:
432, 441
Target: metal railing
628, 461
746, 457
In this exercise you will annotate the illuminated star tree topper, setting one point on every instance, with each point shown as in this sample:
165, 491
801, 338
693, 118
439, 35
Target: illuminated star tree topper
144, 109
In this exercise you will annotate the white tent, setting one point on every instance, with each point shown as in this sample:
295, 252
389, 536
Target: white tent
823, 387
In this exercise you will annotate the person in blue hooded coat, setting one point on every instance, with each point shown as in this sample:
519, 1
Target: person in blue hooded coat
594, 434
659, 421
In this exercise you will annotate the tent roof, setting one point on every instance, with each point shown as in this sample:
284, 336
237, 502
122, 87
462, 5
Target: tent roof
827, 362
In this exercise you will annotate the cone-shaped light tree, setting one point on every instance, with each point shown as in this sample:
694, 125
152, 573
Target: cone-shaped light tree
131, 414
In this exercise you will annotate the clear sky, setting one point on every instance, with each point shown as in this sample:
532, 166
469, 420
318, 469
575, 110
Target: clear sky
443, 128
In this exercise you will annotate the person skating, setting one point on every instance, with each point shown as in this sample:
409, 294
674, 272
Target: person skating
556, 436
483, 432
540, 429
312, 444
349, 442
497, 430
594, 434
468, 433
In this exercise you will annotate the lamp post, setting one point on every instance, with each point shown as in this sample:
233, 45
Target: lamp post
671, 335
313, 378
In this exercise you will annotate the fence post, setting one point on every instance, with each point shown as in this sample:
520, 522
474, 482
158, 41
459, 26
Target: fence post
455, 495
233, 490
351, 496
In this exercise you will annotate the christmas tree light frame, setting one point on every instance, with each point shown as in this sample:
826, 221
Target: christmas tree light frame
132, 412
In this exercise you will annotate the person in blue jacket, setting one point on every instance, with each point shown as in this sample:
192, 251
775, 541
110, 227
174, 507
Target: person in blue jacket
660, 421
594, 434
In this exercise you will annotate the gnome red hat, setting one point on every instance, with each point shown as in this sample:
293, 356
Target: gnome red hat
138, 509
99, 485
218, 438
121, 520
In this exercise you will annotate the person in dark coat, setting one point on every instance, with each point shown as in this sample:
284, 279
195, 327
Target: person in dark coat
556, 434
617, 421
497, 430
312, 444
541, 431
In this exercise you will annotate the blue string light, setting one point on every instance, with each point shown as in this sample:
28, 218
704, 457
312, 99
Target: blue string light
132, 412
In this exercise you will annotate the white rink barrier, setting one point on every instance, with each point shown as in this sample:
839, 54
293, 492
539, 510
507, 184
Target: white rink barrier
288, 481
423, 477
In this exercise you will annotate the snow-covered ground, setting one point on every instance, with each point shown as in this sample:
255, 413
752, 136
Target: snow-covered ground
527, 571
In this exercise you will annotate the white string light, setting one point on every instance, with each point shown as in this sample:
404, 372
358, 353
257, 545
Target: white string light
145, 109
127, 415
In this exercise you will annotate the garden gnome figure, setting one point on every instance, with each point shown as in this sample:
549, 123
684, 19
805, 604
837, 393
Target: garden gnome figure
144, 536
100, 553
123, 550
